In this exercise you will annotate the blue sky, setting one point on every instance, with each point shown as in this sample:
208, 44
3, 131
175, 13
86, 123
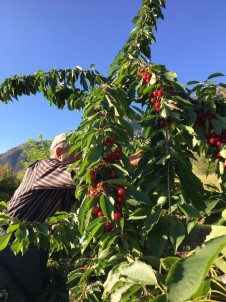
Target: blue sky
59, 34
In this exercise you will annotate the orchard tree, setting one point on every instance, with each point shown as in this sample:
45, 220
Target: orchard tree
126, 236
9, 181
35, 150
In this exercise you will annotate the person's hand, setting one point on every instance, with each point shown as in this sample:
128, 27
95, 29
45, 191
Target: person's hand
135, 158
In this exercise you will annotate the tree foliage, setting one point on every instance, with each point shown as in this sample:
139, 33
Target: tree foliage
9, 181
35, 150
126, 235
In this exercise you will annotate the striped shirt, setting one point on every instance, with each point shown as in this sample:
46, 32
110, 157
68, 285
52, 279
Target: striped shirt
47, 187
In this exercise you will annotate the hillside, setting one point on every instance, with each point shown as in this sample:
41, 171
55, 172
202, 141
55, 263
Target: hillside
12, 158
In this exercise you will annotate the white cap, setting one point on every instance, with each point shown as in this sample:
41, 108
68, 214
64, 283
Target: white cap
60, 138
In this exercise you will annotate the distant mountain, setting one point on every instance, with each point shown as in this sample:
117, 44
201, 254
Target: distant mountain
12, 158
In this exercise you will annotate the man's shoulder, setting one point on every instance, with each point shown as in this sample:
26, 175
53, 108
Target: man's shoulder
46, 161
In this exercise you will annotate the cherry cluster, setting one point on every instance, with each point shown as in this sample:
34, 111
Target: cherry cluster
156, 96
145, 75
216, 140
106, 171
203, 117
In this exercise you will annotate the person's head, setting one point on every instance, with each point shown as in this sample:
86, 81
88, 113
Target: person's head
60, 147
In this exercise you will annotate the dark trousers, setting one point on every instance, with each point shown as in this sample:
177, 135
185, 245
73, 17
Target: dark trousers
23, 274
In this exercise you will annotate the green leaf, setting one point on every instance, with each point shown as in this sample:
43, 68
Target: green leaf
168, 262
12, 227
222, 120
216, 231
188, 179
125, 172
138, 195
119, 182
95, 153
222, 85
107, 206
223, 214
127, 126
43, 228
214, 75
203, 290
92, 233
192, 82
16, 246
85, 206
4, 240
216, 126
161, 298
124, 292
4, 216
189, 210
158, 238
21, 233
170, 75
151, 221
3, 205
186, 276
136, 272
177, 234
152, 183
223, 153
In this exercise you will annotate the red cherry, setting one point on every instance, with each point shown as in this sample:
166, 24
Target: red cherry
155, 93
108, 227
99, 186
95, 210
171, 91
110, 157
153, 100
120, 200
212, 140
146, 77
218, 156
92, 189
114, 175
116, 156
91, 172
118, 150
100, 214
157, 105
219, 144
117, 215
109, 140
160, 94
121, 192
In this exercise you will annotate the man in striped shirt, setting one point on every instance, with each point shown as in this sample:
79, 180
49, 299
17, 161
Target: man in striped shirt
47, 187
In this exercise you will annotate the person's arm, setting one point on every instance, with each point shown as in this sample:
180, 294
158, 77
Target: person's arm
135, 158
